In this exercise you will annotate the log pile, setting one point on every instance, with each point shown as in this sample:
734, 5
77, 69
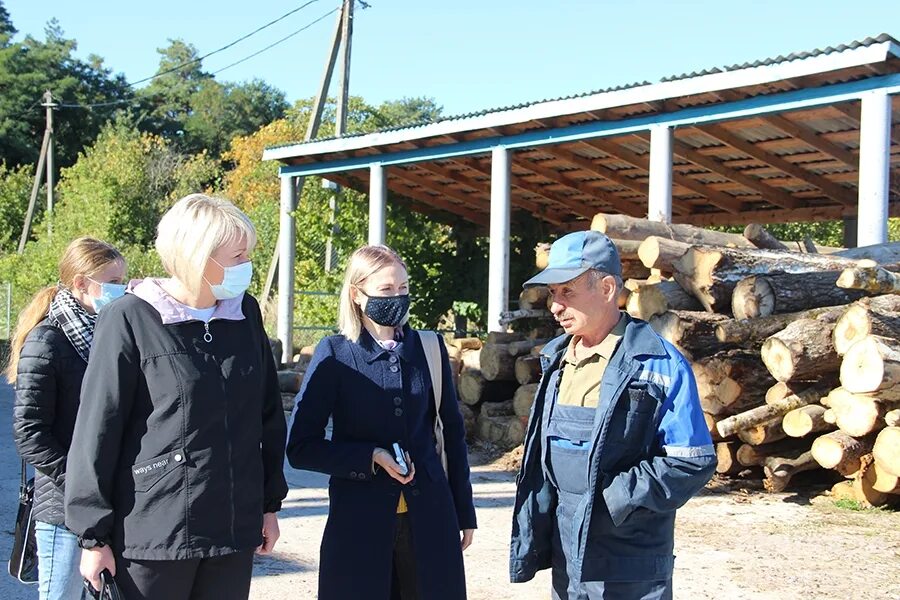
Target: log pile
489, 382
795, 348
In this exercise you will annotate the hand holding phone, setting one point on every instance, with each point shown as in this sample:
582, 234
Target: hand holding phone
403, 470
400, 459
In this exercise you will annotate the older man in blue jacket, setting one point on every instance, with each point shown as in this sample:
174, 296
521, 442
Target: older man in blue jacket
616, 441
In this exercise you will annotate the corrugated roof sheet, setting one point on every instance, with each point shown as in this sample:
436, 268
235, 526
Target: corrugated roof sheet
869, 41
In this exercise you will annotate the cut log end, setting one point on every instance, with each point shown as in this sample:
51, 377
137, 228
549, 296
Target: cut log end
753, 297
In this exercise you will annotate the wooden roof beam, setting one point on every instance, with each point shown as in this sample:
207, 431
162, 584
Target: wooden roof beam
720, 199
420, 202
581, 187
578, 208
425, 183
459, 177
831, 189
599, 170
771, 194
801, 132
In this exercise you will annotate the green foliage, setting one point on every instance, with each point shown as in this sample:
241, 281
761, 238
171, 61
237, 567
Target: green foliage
191, 109
848, 504
15, 189
30, 67
117, 192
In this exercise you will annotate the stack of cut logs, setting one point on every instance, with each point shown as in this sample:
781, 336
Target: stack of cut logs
795, 347
496, 382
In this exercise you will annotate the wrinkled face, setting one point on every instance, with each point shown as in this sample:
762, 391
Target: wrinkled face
581, 308
226, 255
392, 280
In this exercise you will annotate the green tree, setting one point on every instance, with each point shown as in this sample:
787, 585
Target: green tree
27, 70
15, 188
190, 108
116, 191
7, 30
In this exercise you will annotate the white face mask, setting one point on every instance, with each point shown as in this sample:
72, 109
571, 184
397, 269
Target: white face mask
235, 281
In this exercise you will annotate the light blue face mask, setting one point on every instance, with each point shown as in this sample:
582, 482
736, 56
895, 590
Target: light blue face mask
108, 293
235, 281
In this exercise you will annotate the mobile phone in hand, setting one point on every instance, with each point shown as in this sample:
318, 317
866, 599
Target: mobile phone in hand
400, 459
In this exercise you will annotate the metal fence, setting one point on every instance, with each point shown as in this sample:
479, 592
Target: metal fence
314, 314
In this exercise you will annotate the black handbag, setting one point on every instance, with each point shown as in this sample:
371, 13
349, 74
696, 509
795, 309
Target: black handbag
23, 562
109, 590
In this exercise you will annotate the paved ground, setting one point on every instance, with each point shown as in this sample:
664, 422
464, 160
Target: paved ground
736, 545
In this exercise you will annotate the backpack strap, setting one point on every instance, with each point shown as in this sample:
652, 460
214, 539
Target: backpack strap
431, 344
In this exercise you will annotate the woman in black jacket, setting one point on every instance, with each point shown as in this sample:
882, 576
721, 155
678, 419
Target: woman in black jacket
179, 447
392, 532
48, 357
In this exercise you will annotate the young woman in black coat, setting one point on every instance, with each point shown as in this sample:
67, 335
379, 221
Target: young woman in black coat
392, 533
49, 354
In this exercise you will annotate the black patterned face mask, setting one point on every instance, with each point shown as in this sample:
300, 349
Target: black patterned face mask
386, 310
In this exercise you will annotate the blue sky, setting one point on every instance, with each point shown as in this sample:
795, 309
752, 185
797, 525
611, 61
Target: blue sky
467, 54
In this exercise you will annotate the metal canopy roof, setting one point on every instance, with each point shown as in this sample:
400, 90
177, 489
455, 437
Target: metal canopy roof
775, 140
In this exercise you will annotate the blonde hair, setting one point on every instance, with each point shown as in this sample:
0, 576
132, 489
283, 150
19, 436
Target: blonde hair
193, 229
83, 256
363, 263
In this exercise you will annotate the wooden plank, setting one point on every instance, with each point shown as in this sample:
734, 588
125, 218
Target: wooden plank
831, 189
723, 201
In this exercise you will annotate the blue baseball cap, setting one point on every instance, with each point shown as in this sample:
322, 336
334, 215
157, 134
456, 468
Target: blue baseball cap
575, 254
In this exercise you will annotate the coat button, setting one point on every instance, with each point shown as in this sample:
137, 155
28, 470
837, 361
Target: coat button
415, 492
398, 412
393, 359
398, 401
178, 458
352, 474
394, 368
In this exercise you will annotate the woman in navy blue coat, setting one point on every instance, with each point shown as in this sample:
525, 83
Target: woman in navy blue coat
392, 533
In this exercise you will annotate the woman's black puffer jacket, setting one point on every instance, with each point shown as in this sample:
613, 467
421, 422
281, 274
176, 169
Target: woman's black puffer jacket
48, 392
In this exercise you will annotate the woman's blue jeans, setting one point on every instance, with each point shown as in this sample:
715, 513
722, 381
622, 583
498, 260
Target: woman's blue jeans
58, 560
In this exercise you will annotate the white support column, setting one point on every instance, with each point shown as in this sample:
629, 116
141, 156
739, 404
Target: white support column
377, 204
659, 207
498, 264
286, 257
874, 163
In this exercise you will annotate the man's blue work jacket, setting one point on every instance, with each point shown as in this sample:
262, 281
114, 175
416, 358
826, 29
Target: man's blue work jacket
651, 451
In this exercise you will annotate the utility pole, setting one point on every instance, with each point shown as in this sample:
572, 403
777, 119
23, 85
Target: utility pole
312, 131
49, 104
46, 149
340, 125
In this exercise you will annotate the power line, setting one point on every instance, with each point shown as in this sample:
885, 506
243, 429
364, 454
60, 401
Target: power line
246, 58
273, 44
225, 47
